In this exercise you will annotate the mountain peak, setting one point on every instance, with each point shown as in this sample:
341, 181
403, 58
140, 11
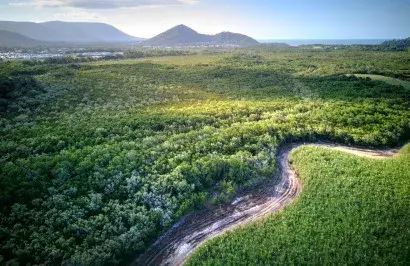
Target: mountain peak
182, 35
182, 28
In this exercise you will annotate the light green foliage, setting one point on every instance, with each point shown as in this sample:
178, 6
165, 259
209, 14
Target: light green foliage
113, 152
389, 80
351, 211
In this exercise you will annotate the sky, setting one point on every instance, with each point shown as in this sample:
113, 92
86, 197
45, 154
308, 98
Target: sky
261, 19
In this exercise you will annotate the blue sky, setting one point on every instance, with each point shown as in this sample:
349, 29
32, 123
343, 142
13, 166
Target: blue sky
262, 19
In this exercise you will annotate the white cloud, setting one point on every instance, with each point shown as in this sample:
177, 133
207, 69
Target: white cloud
101, 4
78, 14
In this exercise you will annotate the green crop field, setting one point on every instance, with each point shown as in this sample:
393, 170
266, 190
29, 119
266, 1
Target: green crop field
351, 211
98, 158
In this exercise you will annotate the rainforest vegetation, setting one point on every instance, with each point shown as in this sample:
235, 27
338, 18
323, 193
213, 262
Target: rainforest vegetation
97, 158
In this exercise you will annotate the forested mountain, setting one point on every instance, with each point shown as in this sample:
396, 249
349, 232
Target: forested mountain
233, 38
398, 44
182, 35
8, 38
72, 32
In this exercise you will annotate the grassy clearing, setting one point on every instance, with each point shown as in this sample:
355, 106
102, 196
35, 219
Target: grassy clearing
352, 211
388, 80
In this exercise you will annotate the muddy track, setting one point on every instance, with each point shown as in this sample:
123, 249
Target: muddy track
176, 244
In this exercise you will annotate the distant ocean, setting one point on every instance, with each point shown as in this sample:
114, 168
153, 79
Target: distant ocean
296, 42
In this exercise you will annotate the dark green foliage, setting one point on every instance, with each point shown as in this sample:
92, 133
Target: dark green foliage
110, 153
6, 86
15, 88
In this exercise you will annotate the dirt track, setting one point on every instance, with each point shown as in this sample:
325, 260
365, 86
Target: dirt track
175, 245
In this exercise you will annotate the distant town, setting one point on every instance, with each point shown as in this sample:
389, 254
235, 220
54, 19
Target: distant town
55, 52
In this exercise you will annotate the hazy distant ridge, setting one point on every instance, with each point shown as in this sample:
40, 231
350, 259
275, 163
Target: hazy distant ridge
8, 38
70, 32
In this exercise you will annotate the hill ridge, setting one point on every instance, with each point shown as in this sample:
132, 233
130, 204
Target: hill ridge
182, 35
68, 32
12, 39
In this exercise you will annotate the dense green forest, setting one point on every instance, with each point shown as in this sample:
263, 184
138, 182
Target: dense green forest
352, 211
97, 158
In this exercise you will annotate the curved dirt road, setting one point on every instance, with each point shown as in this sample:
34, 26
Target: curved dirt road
176, 244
